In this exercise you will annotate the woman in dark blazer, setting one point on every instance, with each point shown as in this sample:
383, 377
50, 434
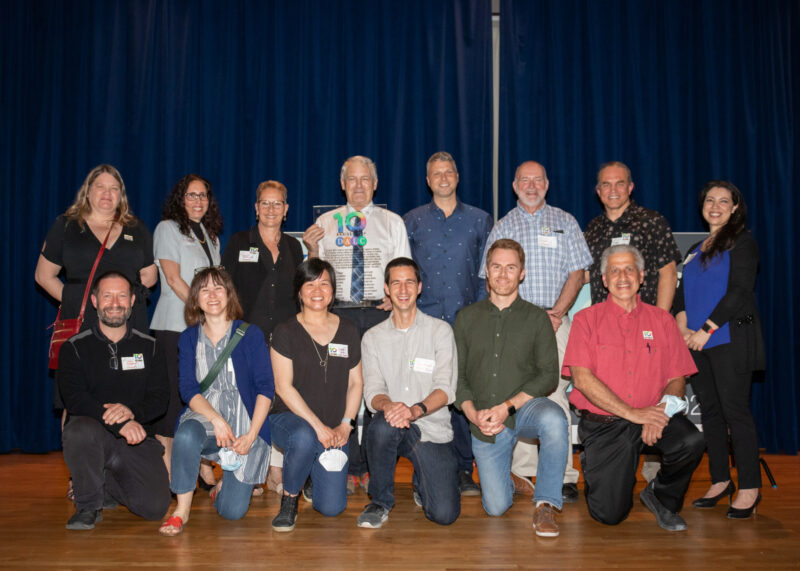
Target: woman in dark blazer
716, 312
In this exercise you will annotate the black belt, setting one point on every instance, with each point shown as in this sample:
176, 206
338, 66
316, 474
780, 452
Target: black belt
599, 418
367, 303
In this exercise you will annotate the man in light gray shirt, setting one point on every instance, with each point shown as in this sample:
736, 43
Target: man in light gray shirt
410, 372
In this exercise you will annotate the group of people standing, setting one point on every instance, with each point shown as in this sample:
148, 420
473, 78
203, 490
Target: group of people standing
453, 331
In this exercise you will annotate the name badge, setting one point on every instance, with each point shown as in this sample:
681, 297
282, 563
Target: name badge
689, 258
128, 237
648, 335
136, 361
421, 365
548, 241
337, 350
623, 239
250, 255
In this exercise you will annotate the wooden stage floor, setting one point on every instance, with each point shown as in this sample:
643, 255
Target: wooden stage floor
34, 513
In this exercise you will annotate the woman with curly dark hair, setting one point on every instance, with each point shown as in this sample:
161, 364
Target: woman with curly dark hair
187, 238
716, 312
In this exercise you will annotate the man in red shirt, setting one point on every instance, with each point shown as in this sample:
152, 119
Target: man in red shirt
628, 362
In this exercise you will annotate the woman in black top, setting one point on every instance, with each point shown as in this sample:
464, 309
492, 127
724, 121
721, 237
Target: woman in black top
316, 360
75, 238
262, 261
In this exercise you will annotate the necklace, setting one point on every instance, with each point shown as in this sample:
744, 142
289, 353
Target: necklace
323, 363
199, 236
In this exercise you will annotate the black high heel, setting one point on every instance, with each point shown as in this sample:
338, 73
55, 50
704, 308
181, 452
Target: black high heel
705, 503
743, 513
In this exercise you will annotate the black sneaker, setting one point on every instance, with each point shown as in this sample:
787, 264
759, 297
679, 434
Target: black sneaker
84, 519
284, 521
308, 490
466, 485
373, 516
569, 493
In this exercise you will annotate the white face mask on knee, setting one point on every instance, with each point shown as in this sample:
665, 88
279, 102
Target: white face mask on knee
333, 459
229, 460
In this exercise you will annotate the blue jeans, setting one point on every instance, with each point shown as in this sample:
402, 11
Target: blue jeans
233, 499
435, 469
538, 418
301, 450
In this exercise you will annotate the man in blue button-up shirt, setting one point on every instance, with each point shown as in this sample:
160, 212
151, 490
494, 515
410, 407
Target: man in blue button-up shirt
447, 239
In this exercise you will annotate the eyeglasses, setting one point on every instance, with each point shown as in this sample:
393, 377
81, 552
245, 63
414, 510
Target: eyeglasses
203, 268
113, 362
196, 196
277, 204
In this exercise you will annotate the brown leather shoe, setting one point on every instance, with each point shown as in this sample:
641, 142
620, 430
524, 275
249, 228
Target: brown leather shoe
522, 486
544, 521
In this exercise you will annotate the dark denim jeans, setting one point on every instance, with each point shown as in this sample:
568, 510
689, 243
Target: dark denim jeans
435, 469
301, 450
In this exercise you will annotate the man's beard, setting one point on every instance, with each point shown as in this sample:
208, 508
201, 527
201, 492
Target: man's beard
114, 321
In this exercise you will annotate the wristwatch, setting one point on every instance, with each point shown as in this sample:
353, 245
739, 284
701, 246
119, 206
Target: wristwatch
511, 408
707, 328
350, 421
422, 407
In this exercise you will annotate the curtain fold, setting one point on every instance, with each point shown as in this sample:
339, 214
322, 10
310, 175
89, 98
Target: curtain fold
683, 92
239, 92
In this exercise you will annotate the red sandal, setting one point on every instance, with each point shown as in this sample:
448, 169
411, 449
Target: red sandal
174, 522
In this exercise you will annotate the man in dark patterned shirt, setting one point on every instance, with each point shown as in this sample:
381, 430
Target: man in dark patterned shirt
625, 222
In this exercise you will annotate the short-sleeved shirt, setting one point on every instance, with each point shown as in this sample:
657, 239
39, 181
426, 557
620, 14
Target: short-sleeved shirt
634, 354
554, 248
265, 287
645, 229
384, 237
502, 352
189, 254
325, 395
448, 250
75, 249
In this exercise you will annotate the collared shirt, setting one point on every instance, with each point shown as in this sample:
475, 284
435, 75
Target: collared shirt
554, 248
633, 353
645, 229
448, 250
386, 239
504, 352
409, 365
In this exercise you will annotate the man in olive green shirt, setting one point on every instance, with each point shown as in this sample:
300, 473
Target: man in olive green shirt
507, 365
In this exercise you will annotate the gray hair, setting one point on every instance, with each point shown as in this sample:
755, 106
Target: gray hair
441, 156
621, 249
366, 161
617, 164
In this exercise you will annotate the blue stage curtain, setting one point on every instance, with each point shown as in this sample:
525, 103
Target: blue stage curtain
683, 92
239, 92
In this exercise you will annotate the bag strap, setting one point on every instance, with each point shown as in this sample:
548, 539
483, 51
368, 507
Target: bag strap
91, 275
223, 357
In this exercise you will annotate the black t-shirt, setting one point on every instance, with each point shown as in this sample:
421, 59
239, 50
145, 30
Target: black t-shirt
325, 396
75, 250
265, 287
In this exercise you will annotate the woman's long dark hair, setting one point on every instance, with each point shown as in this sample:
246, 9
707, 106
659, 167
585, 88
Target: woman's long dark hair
726, 236
174, 208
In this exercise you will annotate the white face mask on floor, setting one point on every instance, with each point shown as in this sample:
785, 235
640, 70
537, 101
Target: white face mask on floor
333, 459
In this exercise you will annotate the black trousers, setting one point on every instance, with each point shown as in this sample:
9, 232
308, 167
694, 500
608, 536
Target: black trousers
364, 318
134, 475
611, 455
724, 397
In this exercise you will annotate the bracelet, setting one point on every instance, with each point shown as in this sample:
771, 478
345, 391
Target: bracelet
350, 421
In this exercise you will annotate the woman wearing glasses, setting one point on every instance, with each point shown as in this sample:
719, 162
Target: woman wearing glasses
262, 262
187, 238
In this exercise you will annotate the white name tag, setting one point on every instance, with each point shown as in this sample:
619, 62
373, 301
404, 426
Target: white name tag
689, 258
623, 239
250, 255
548, 242
134, 362
337, 350
128, 237
421, 365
